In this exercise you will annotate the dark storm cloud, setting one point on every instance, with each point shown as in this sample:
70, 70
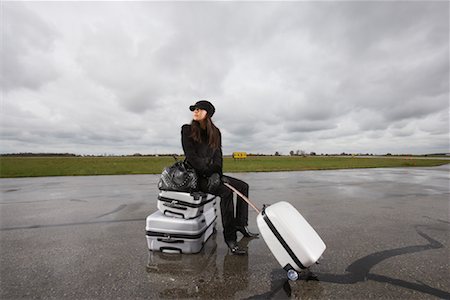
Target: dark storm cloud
318, 76
308, 126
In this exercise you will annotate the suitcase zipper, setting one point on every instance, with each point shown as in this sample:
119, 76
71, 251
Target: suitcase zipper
173, 201
170, 240
281, 240
174, 204
181, 236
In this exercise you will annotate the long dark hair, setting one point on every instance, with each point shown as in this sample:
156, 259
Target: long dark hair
212, 133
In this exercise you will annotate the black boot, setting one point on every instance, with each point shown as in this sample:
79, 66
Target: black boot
234, 248
244, 230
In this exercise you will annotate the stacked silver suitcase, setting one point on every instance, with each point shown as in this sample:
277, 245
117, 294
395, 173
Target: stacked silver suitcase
182, 223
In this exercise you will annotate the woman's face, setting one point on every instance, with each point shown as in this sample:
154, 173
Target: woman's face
199, 114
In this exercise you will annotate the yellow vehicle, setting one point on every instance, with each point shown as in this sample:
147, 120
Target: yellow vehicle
239, 155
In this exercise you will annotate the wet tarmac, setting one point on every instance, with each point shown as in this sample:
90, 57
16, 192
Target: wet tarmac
386, 231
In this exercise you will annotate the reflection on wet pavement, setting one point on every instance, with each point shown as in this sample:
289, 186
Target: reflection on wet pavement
210, 275
386, 231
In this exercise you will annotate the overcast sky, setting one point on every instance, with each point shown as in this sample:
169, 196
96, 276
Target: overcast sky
328, 77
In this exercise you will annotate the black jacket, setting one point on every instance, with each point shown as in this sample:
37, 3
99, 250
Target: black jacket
200, 156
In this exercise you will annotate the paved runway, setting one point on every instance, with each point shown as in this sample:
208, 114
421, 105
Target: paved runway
386, 231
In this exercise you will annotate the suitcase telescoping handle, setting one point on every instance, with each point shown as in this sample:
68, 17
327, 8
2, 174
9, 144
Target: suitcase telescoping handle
242, 196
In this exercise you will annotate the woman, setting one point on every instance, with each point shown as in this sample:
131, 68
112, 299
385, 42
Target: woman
202, 145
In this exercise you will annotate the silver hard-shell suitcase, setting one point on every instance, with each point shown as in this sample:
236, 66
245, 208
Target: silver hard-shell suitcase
185, 205
169, 234
210, 217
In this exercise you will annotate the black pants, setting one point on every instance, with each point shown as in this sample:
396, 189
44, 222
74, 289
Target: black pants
229, 221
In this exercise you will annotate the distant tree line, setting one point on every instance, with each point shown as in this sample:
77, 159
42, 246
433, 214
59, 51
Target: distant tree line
78, 155
27, 154
277, 153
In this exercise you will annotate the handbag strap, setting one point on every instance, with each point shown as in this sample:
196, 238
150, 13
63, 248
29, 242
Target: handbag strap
242, 196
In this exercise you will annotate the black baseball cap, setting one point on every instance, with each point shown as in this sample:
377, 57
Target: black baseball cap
203, 104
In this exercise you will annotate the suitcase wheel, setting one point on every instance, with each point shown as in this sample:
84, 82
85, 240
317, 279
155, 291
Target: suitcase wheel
292, 275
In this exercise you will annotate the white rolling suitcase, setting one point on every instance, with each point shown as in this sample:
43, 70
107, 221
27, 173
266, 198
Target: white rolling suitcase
293, 242
185, 205
290, 238
168, 234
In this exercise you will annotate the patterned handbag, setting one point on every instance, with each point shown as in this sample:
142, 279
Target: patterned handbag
179, 177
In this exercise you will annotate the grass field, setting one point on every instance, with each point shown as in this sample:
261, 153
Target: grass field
73, 166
